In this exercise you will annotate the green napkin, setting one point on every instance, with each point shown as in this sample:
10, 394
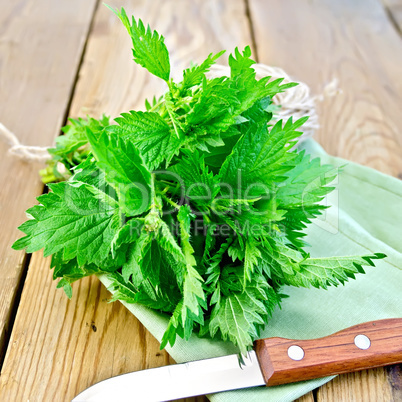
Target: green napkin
365, 218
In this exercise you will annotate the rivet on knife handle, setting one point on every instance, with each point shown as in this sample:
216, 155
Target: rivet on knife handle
363, 346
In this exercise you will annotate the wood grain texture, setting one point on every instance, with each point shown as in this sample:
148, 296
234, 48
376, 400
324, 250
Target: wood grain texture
60, 347
355, 43
394, 378
333, 354
367, 385
54, 351
394, 10
41, 44
111, 82
306, 398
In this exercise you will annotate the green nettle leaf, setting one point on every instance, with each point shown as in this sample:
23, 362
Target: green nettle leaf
149, 49
261, 157
125, 171
200, 185
136, 264
151, 134
211, 109
193, 293
251, 256
71, 148
194, 75
195, 208
249, 90
71, 219
306, 184
238, 315
75, 134
324, 272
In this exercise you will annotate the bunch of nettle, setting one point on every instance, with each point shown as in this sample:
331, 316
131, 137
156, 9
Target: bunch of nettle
194, 207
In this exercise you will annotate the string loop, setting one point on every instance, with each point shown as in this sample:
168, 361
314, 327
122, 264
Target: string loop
25, 152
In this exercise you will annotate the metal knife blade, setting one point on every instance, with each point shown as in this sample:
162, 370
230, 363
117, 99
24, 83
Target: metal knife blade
178, 381
274, 361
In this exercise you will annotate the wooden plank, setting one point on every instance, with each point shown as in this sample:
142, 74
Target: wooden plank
394, 377
394, 10
306, 398
41, 43
54, 336
110, 82
366, 385
54, 350
355, 43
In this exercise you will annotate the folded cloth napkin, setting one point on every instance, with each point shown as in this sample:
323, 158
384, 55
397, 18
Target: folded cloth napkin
365, 218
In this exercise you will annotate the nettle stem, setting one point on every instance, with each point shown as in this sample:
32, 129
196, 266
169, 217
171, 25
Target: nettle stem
170, 201
152, 220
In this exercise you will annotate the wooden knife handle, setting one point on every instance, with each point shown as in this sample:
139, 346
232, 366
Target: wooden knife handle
363, 346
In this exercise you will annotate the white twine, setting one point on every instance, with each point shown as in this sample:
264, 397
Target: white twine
296, 102
25, 152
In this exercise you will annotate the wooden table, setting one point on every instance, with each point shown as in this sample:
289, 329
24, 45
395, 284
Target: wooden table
72, 57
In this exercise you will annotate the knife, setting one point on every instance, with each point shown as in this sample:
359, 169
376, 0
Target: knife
273, 361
